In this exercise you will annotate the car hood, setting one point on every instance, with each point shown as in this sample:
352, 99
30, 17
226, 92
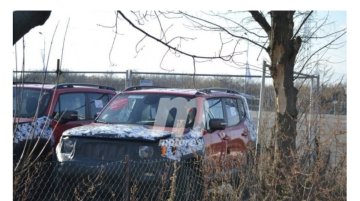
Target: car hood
176, 147
123, 131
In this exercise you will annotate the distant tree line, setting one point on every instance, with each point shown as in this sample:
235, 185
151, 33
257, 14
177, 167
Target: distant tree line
332, 97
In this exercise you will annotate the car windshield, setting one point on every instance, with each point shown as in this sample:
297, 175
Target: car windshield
150, 109
25, 102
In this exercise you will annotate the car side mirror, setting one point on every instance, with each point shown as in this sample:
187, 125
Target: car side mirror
70, 115
217, 124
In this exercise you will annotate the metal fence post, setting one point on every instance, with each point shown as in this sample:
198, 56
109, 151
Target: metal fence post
260, 105
128, 79
317, 113
313, 118
311, 111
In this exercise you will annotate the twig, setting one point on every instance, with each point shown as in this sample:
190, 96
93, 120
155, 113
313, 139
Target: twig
226, 58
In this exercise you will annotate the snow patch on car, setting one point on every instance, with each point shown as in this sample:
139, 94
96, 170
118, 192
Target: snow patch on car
36, 129
117, 131
191, 143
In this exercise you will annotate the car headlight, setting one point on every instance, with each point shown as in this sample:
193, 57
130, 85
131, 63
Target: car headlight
146, 152
65, 149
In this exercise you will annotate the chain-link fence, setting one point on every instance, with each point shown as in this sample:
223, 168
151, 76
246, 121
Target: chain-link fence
230, 178
134, 180
128, 180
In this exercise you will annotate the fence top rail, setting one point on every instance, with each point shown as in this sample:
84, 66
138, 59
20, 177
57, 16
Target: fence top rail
300, 75
67, 72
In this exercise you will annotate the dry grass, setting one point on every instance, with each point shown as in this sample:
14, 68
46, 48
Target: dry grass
313, 177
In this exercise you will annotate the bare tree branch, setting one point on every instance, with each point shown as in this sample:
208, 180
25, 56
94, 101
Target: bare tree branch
225, 58
325, 36
114, 39
259, 18
163, 35
302, 23
137, 49
239, 25
63, 47
223, 29
162, 59
315, 31
314, 53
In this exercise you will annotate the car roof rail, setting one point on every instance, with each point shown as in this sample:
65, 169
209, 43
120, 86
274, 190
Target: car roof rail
225, 90
133, 88
72, 85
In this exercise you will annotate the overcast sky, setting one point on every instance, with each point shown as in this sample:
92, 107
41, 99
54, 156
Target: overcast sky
88, 43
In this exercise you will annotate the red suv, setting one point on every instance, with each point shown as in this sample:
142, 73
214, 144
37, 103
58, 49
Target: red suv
44, 111
150, 124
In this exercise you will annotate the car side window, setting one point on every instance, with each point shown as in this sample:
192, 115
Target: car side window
232, 112
97, 101
241, 108
214, 110
72, 102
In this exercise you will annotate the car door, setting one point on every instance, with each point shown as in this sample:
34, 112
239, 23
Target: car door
236, 131
215, 140
223, 146
83, 106
69, 102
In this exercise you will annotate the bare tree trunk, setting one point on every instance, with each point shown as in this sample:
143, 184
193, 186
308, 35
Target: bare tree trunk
283, 50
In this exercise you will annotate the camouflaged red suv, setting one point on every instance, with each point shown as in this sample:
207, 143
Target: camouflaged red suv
143, 125
42, 112
174, 122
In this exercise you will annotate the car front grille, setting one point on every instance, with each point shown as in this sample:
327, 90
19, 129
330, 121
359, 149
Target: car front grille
111, 150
